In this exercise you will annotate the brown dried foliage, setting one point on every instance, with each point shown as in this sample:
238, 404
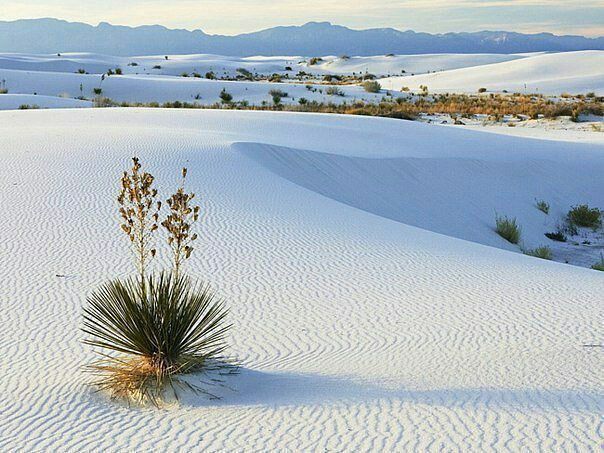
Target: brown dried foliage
140, 213
178, 224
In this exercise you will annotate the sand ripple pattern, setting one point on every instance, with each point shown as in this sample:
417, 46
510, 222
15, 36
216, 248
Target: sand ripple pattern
357, 332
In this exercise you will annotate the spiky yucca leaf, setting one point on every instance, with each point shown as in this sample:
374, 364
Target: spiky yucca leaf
167, 327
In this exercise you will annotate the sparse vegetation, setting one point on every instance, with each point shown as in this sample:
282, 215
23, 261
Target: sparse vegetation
372, 87
482, 90
599, 266
543, 252
542, 205
225, 97
584, 216
29, 107
557, 236
508, 229
97, 91
314, 60
279, 93
334, 91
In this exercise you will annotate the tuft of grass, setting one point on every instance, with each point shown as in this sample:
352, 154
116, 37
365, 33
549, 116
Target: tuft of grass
148, 335
372, 86
584, 216
542, 205
225, 96
543, 252
334, 91
508, 229
558, 236
599, 266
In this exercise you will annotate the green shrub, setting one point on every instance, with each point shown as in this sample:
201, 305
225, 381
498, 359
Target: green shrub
157, 66
334, 91
558, 236
148, 335
97, 91
210, 75
245, 73
372, 87
599, 266
28, 107
482, 90
508, 229
225, 97
542, 205
280, 93
314, 60
584, 216
543, 252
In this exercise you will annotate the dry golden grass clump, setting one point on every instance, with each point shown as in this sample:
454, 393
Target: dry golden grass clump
153, 329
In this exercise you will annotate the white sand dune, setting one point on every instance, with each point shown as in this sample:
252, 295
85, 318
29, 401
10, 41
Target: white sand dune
227, 66
153, 88
357, 331
573, 72
15, 101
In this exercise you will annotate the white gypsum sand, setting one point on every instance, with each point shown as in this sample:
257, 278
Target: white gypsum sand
550, 73
356, 330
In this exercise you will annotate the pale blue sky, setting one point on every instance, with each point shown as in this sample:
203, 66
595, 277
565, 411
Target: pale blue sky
237, 16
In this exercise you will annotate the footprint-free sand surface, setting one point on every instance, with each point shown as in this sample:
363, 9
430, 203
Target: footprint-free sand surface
374, 308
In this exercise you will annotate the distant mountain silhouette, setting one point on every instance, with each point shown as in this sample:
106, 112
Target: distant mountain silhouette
313, 38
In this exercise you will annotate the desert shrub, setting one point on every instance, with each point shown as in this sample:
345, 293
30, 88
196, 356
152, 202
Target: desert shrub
314, 60
334, 91
508, 229
197, 75
280, 93
151, 329
276, 99
558, 236
118, 71
210, 75
288, 68
275, 78
543, 252
97, 91
482, 90
344, 57
245, 73
584, 216
3, 91
372, 87
599, 266
184, 74
225, 97
81, 71
29, 107
542, 205
157, 331
157, 66
133, 63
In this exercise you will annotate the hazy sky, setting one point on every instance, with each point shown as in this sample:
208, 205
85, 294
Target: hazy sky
237, 16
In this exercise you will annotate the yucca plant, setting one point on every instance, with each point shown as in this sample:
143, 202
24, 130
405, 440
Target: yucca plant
152, 328
147, 337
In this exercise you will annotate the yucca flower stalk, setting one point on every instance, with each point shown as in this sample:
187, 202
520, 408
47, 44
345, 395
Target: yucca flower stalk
178, 224
140, 214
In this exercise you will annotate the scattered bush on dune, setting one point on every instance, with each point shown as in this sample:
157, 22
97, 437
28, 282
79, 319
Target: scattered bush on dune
542, 205
276, 92
314, 60
543, 252
372, 87
29, 107
584, 216
508, 229
557, 236
152, 329
334, 91
225, 97
599, 266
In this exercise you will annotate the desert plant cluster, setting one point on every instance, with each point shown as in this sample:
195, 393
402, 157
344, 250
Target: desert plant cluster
152, 329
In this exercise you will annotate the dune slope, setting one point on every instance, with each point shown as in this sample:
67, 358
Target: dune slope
356, 331
556, 73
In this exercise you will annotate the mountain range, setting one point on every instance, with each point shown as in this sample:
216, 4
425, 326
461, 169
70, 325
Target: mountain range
313, 38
